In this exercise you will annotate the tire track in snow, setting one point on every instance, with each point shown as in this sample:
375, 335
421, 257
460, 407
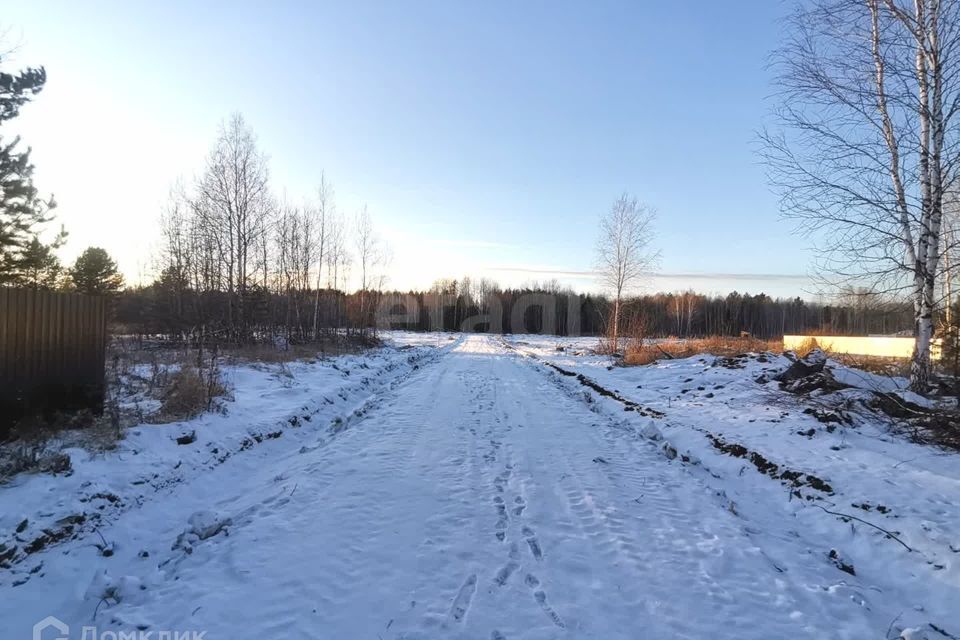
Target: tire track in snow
392, 531
639, 535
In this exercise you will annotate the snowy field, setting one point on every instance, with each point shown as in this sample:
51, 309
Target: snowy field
488, 488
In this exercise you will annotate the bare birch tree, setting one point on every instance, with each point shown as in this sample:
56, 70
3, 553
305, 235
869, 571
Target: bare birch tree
293, 261
178, 253
337, 258
234, 208
372, 257
868, 143
322, 217
624, 253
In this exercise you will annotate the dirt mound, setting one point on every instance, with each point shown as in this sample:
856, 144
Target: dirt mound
805, 375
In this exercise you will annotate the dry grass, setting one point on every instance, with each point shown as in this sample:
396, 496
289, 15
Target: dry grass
187, 382
191, 392
874, 364
32, 449
269, 354
32, 457
730, 346
805, 347
634, 333
716, 345
329, 346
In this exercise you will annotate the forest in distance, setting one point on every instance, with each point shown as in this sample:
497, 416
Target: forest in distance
482, 306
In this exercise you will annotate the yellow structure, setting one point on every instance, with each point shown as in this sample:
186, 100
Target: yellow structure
881, 346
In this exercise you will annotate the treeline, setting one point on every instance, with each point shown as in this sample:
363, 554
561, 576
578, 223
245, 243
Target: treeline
689, 314
163, 308
550, 309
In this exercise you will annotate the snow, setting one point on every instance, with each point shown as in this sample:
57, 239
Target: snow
905, 488
459, 487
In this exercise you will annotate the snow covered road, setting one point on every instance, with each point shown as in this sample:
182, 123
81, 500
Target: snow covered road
477, 499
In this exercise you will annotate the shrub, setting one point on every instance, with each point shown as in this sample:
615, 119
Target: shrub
634, 327
805, 347
280, 352
32, 451
191, 392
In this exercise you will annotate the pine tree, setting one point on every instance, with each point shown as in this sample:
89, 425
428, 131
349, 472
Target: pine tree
36, 267
22, 210
95, 273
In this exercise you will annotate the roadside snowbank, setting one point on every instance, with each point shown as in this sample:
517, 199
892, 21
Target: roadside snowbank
294, 402
759, 445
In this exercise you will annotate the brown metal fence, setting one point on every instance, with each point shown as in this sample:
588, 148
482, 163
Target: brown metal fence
52, 350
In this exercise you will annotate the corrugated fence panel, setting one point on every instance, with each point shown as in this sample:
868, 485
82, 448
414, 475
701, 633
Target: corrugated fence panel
52, 350
5, 354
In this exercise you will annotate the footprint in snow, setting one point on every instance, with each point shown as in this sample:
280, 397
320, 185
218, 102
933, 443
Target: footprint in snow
501, 480
533, 543
541, 598
461, 603
507, 570
502, 519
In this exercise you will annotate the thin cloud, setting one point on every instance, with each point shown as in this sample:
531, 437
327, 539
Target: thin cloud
664, 275
543, 271
734, 276
479, 244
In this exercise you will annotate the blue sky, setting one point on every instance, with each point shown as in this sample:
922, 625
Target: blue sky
485, 137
